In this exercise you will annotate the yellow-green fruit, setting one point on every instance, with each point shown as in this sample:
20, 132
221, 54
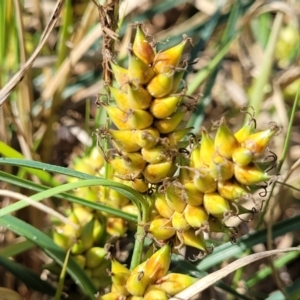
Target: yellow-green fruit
61, 239
176, 136
119, 274
162, 206
138, 71
195, 216
174, 283
155, 154
130, 163
161, 228
121, 76
138, 281
142, 48
166, 61
179, 222
139, 119
95, 159
80, 259
220, 168
116, 226
163, 108
138, 97
189, 238
225, 141
139, 185
155, 173
203, 181
124, 140
154, 292
118, 117
82, 215
215, 204
258, 142
147, 138
231, 190
170, 124
121, 98
94, 257
242, 156
175, 201
158, 264
161, 85
206, 150
117, 198
245, 131
250, 174
101, 270
192, 195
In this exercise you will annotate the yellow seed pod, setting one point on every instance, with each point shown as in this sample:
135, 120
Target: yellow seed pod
155, 173
119, 199
170, 124
154, 155
195, 158
139, 119
163, 108
116, 226
142, 48
121, 76
175, 200
118, 117
120, 98
147, 138
203, 181
125, 167
250, 174
258, 142
162, 206
220, 168
192, 195
95, 159
124, 140
119, 276
161, 228
176, 136
81, 215
138, 97
207, 149
154, 292
140, 185
245, 131
179, 222
94, 257
80, 259
242, 156
138, 71
225, 141
138, 281
195, 216
158, 264
215, 204
231, 190
61, 239
169, 59
189, 238
174, 283
161, 85
98, 232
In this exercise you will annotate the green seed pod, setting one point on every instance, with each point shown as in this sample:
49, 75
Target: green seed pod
94, 257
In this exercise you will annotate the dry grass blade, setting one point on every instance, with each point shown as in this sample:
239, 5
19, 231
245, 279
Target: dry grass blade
5, 92
212, 278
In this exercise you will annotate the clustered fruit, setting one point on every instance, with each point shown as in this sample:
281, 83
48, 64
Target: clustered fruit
194, 183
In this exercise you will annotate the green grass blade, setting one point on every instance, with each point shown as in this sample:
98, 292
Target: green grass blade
14, 180
31, 279
16, 248
51, 249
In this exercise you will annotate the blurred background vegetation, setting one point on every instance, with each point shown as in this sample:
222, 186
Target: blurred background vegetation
244, 52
